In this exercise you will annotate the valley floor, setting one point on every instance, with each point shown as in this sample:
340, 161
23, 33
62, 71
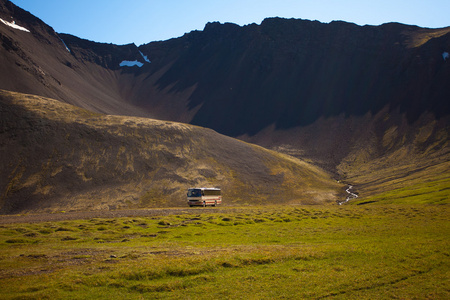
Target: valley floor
258, 252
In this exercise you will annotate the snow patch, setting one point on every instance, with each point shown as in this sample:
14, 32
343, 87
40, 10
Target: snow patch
145, 57
128, 63
14, 25
67, 48
445, 55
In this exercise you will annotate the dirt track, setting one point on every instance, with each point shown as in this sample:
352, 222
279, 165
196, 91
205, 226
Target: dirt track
54, 217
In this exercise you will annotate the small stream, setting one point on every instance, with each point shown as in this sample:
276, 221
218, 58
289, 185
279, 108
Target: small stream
349, 197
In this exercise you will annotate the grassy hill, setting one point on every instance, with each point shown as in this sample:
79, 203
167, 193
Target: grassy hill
55, 156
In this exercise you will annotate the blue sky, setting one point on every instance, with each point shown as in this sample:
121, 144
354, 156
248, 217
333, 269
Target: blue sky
143, 21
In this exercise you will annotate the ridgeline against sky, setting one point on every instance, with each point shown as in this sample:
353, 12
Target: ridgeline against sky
141, 21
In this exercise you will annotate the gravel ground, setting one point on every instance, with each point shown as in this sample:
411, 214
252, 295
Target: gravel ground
53, 217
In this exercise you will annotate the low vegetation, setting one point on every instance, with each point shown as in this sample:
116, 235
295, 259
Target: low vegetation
294, 252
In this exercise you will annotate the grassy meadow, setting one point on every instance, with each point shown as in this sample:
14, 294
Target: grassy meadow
290, 252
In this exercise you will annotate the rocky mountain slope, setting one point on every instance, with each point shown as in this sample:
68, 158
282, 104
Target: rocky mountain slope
368, 103
292, 72
37, 61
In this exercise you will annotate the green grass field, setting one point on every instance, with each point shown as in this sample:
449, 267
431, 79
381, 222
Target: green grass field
290, 252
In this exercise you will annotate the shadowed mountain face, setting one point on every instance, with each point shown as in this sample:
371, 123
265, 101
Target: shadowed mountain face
348, 98
293, 72
237, 80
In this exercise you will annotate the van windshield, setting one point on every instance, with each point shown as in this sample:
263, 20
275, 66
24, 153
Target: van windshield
194, 193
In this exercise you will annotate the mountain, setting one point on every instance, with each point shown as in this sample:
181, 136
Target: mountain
292, 72
56, 156
368, 103
39, 62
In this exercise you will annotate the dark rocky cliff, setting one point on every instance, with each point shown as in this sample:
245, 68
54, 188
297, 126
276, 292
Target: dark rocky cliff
292, 72
238, 80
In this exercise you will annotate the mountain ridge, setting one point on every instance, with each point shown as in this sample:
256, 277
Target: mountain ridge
309, 75
293, 44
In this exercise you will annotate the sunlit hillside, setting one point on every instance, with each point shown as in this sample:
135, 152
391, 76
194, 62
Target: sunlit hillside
55, 156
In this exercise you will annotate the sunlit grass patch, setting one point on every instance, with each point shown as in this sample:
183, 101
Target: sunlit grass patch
433, 192
295, 252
